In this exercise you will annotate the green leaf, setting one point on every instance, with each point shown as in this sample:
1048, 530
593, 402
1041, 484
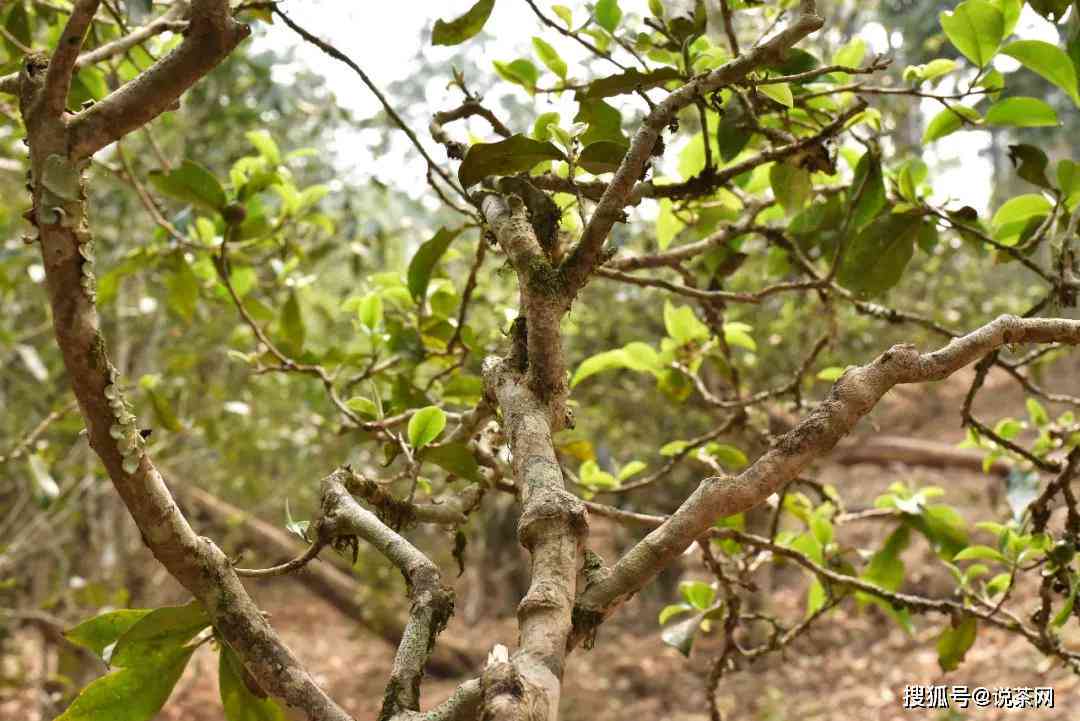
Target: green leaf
427, 255
954, 642
460, 29
158, 633
872, 199
976, 28
191, 183
1052, 10
930, 71
1047, 60
565, 13
631, 469
698, 594
1038, 415
182, 289
949, 121
668, 612
979, 552
608, 14
682, 325
101, 631
1013, 216
602, 157
1068, 178
521, 72
728, 456
1030, 163
265, 144
668, 225
426, 425
130, 694
1010, 13
516, 154
541, 129
780, 92
604, 122
629, 81
791, 186
369, 310
879, 254
1021, 112
364, 406
455, 458
549, 57
851, 54
594, 478
732, 136
292, 325
241, 697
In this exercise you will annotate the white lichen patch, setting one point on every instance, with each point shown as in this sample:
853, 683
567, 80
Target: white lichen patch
125, 429
88, 281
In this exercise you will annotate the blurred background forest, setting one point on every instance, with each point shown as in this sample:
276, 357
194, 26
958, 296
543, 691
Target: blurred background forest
246, 449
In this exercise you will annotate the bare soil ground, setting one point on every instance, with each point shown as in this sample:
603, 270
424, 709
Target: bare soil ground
853, 665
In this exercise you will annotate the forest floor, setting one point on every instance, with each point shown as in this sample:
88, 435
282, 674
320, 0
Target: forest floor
853, 664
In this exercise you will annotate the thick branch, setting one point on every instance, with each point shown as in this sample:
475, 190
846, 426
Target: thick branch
62, 64
852, 397
552, 527
171, 19
432, 602
543, 298
212, 34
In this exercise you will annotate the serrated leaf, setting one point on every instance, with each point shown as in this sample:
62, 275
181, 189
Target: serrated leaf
460, 29
191, 183
426, 425
516, 154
